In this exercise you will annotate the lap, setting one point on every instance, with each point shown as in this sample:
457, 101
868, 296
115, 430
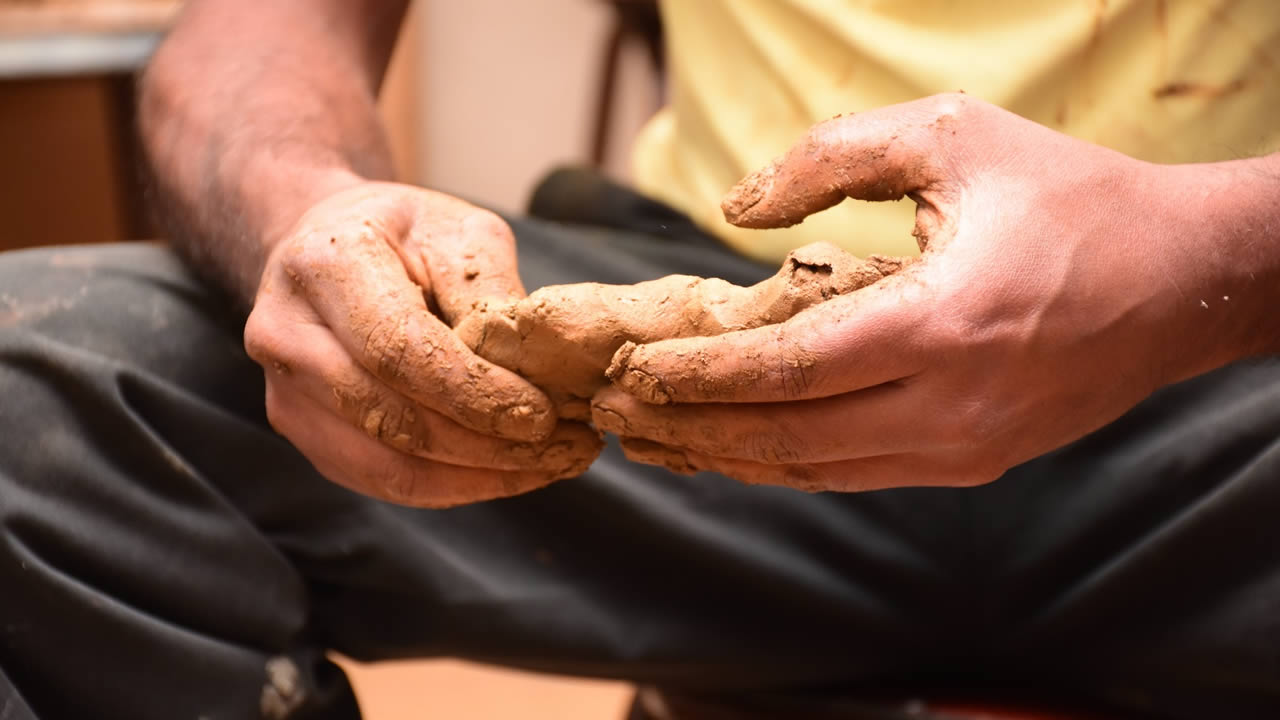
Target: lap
147, 505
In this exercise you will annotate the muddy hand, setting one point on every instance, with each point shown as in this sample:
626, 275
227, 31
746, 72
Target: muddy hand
1059, 285
364, 375
563, 338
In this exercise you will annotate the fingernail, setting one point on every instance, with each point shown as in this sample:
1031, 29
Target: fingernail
747, 194
644, 386
635, 381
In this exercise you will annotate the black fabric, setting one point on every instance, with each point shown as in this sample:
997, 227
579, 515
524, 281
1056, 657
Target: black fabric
164, 554
586, 197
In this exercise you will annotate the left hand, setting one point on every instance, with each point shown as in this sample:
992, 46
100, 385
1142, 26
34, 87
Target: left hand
1060, 284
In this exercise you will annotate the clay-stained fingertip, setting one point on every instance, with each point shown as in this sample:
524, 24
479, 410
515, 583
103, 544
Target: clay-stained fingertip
741, 206
607, 419
636, 381
618, 365
578, 465
490, 331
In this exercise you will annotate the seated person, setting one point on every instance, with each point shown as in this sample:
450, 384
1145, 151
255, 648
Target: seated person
1095, 326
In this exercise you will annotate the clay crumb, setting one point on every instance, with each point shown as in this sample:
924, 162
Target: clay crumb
818, 268
282, 693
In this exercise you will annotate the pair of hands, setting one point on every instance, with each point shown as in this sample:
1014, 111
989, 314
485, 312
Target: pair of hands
1056, 282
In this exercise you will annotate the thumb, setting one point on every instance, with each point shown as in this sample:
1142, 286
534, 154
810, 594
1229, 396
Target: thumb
882, 154
477, 263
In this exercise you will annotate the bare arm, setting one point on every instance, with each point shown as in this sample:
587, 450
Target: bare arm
251, 111
259, 126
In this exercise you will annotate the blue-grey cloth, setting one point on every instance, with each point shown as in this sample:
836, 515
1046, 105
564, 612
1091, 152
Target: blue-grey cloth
164, 554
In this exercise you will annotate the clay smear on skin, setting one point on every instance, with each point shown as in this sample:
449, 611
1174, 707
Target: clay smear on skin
566, 339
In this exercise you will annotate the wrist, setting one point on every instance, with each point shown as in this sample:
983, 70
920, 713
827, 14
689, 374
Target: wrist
1225, 219
274, 196
274, 192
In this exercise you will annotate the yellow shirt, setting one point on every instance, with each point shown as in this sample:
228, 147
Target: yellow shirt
1163, 80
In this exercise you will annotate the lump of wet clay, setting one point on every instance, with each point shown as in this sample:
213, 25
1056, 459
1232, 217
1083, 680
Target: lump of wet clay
563, 338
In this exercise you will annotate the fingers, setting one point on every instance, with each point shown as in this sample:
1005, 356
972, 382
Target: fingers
860, 475
346, 456
847, 343
321, 370
881, 154
876, 421
476, 261
359, 287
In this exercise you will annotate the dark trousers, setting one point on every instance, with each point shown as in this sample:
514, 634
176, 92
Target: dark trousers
163, 554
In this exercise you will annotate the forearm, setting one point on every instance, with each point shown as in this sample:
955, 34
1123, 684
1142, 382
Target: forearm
1232, 314
253, 110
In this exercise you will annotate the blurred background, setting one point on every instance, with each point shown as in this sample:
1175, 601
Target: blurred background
66, 94
577, 75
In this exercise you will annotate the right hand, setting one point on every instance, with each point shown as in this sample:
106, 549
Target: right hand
364, 375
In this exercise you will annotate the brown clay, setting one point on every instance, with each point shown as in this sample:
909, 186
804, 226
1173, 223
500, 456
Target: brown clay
563, 338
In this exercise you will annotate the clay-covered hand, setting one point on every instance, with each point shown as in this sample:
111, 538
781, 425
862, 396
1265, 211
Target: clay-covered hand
564, 338
364, 375
1060, 284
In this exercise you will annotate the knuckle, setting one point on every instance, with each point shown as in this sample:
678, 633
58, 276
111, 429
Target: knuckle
948, 105
386, 346
487, 223
795, 370
772, 446
257, 337
823, 136
303, 253
262, 342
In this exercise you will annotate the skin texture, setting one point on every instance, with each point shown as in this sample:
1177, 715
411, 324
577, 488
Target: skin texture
565, 338
342, 321
1060, 284
269, 170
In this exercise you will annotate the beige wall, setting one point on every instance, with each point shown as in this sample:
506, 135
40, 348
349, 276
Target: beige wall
507, 90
